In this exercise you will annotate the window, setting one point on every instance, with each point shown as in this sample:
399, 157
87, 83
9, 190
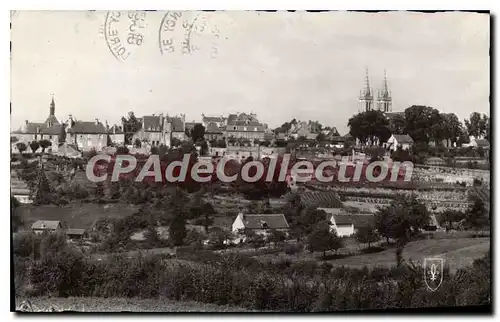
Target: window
50, 137
234, 128
244, 128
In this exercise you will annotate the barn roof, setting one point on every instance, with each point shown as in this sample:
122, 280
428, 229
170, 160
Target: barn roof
321, 199
46, 224
358, 220
273, 221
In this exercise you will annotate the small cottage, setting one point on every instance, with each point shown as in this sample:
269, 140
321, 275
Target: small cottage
403, 141
42, 226
261, 223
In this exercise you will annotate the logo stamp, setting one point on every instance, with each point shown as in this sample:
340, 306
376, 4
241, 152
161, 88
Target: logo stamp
433, 272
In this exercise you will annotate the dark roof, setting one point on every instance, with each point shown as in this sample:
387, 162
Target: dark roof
177, 124
53, 130
152, 123
74, 231
321, 199
403, 138
51, 119
87, 128
46, 224
482, 142
358, 220
207, 119
273, 221
190, 125
212, 128
34, 128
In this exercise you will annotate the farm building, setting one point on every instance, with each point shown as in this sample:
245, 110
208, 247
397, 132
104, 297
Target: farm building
73, 233
345, 224
260, 223
403, 141
41, 226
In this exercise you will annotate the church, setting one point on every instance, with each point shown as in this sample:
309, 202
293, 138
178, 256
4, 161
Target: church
368, 102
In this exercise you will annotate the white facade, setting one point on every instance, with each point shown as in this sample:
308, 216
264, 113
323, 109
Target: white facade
394, 144
238, 223
342, 230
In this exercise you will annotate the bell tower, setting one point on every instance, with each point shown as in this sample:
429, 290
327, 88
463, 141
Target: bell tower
365, 101
384, 99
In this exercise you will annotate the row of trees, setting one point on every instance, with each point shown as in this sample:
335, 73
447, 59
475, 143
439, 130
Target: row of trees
34, 145
422, 123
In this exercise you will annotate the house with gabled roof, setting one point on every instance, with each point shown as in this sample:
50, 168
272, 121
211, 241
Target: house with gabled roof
116, 135
155, 130
213, 132
260, 223
402, 141
86, 135
244, 126
49, 130
42, 226
220, 121
178, 127
346, 224
480, 143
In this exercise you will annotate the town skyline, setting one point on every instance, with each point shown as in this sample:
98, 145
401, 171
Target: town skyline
278, 71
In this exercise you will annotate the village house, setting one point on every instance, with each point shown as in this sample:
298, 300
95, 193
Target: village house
480, 143
177, 126
403, 141
86, 135
42, 226
75, 234
213, 132
49, 130
260, 224
346, 224
116, 135
220, 121
303, 130
155, 130
244, 126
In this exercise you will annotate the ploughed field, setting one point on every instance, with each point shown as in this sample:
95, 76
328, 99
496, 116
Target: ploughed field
95, 304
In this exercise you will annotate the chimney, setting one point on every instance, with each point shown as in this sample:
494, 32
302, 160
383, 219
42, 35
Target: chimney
114, 129
26, 122
107, 125
96, 121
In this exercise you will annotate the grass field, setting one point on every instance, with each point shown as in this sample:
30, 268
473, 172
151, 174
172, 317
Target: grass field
93, 304
457, 253
76, 215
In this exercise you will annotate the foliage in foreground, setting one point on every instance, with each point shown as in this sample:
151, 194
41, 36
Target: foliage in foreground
242, 281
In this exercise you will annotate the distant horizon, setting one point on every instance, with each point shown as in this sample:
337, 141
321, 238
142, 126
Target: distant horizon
280, 66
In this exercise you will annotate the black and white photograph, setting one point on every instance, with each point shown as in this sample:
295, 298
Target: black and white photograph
250, 161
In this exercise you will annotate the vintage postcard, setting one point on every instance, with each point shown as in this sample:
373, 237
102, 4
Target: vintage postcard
250, 161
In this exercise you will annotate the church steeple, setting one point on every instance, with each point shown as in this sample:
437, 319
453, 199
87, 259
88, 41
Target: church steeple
366, 96
384, 100
52, 120
52, 107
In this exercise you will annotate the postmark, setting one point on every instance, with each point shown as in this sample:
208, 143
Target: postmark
189, 33
124, 32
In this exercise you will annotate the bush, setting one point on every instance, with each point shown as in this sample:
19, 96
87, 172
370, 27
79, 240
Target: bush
292, 249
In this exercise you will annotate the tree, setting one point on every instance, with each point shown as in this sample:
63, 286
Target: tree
476, 124
366, 235
130, 126
367, 126
449, 216
476, 216
198, 132
44, 144
401, 220
137, 143
34, 146
151, 236
122, 150
276, 236
453, 128
175, 142
321, 137
177, 230
204, 148
308, 220
423, 123
16, 219
322, 239
21, 146
397, 124
13, 139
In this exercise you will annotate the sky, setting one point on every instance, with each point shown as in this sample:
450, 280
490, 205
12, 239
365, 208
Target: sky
308, 66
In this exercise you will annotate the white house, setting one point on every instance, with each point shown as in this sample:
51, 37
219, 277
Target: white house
260, 223
480, 143
403, 141
345, 224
